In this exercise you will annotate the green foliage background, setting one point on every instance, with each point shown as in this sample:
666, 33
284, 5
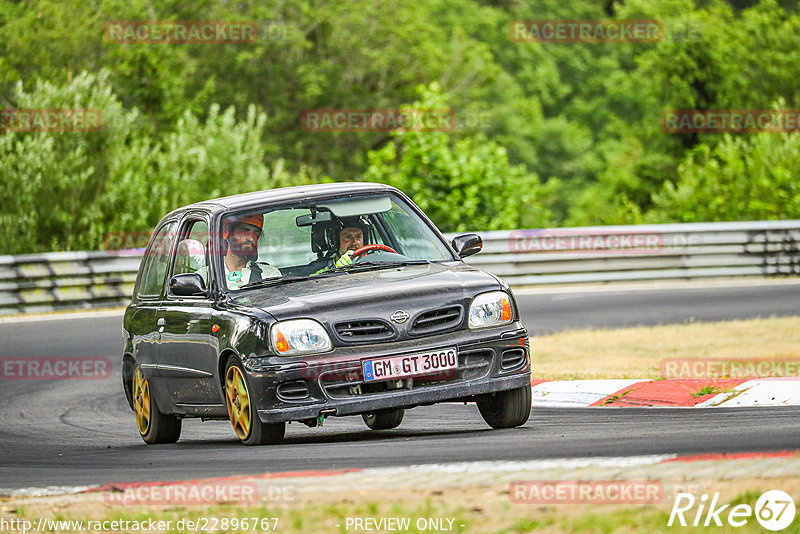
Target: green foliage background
548, 134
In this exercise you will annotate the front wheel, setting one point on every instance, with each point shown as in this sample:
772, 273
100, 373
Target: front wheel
506, 409
384, 419
154, 426
243, 415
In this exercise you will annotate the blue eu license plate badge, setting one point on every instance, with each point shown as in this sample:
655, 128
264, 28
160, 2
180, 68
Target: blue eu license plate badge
369, 374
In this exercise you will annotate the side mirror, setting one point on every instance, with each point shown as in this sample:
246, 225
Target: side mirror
467, 244
187, 285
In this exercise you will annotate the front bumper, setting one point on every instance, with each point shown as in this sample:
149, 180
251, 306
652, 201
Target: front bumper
334, 384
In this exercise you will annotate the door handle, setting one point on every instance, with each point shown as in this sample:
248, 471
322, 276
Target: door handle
161, 323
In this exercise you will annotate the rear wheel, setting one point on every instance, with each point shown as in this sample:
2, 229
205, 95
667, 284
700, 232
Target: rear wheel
506, 409
384, 419
243, 415
154, 426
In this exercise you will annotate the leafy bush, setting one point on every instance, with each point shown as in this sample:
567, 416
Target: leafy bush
68, 190
745, 177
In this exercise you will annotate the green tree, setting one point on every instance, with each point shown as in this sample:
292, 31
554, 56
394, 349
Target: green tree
464, 184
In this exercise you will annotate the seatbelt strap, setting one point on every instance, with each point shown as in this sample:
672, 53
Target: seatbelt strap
256, 274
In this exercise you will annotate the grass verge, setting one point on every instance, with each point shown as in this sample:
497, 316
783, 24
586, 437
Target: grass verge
637, 352
464, 509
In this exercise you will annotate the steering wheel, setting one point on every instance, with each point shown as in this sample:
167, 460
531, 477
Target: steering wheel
360, 252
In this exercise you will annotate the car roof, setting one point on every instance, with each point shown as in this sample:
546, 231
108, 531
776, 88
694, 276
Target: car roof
286, 194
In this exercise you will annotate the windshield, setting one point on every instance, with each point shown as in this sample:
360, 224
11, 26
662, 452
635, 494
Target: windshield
326, 237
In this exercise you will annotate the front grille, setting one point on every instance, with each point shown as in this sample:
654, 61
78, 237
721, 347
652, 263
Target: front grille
471, 365
365, 330
436, 320
294, 390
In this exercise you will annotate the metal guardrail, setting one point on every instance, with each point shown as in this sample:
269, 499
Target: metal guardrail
65, 280
602, 254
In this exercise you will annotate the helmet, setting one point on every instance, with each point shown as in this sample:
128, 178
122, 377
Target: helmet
256, 220
351, 222
325, 236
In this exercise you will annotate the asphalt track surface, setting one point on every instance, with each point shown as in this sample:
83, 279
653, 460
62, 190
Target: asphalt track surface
610, 307
74, 433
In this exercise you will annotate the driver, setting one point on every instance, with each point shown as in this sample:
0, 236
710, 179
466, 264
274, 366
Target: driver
241, 235
349, 236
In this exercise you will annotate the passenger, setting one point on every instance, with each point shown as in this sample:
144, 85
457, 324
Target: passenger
241, 235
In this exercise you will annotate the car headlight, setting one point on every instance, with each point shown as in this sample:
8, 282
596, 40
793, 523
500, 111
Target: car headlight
490, 309
299, 336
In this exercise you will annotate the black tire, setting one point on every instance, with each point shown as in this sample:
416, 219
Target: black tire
506, 409
241, 412
154, 426
384, 419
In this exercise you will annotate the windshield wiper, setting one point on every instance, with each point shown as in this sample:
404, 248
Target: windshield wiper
279, 280
272, 281
367, 265
353, 267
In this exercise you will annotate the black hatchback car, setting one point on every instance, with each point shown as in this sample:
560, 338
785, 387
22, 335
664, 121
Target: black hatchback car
302, 303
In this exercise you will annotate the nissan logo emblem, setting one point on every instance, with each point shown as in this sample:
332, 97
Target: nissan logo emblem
399, 317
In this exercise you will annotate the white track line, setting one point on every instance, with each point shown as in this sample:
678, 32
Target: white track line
62, 316
652, 286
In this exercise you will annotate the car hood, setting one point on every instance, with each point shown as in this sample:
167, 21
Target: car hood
372, 294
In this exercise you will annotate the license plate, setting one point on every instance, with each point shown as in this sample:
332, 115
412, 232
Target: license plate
422, 363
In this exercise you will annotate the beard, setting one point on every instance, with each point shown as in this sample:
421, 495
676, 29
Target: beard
249, 257
244, 250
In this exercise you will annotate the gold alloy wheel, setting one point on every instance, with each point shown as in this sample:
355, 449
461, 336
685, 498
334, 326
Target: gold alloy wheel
141, 401
238, 401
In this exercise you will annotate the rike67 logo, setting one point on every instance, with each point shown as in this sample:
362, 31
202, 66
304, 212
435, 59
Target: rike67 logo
774, 510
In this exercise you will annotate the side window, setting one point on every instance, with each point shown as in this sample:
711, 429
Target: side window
190, 255
156, 261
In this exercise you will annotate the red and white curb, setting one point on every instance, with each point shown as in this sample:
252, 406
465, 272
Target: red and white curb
666, 467
631, 393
